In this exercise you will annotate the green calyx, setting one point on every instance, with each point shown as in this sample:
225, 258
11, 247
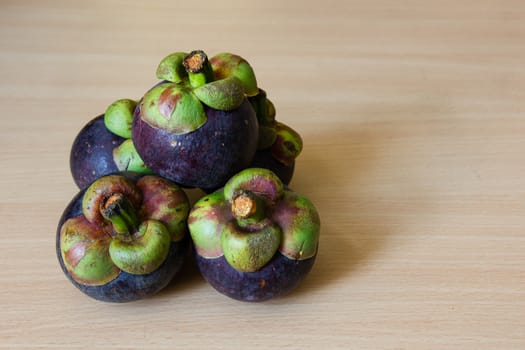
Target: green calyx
250, 240
262, 182
137, 248
263, 109
172, 107
300, 222
166, 202
84, 251
125, 225
118, 117
227, 64
284, 142
225, 94
171, 68
252, 218
266, 118
206, 221
126, 158
288, 144
145, 251
249, 251
191, 81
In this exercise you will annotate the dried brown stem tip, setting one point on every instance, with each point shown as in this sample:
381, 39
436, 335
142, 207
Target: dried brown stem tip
195, 61
243, 206
112, 202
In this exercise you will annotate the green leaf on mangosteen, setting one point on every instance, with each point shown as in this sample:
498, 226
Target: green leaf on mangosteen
173, 108
262, 182
225, 94
206, 221
118, 117
145, 252
261, 106
249, 251
126, 158
166, 202
288, 144
227, 64
84, 251
300, 224
171, 68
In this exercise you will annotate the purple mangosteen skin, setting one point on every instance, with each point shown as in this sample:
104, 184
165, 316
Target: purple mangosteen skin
254, 239
92, 153
206, 157
264, 159
277, 278
126, 287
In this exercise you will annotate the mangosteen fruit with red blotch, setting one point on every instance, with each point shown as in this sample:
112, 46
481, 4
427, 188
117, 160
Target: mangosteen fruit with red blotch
254, 239
197, 127
124, 237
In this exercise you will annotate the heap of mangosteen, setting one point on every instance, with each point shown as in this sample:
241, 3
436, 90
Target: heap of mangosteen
207, 125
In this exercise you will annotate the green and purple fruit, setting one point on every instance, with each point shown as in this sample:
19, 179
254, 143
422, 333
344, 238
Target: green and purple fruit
254, 239
124, 237
104, 147
197, 127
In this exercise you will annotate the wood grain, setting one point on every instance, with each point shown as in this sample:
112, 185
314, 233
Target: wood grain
413, 119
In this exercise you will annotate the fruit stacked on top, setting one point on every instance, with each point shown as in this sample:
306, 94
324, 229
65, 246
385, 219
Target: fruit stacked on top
203, 122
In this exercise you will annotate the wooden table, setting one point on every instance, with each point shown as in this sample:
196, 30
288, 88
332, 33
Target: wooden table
413, 120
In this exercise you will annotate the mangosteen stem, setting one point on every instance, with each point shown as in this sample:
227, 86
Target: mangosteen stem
248, 209
120, 212
198, 67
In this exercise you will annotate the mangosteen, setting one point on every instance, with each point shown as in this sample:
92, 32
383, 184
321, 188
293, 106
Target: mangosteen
104, 147
124, 237
254, 239
197, 127
278, 144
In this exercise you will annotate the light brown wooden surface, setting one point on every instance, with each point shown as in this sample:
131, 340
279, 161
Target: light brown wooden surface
413, 119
